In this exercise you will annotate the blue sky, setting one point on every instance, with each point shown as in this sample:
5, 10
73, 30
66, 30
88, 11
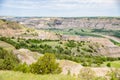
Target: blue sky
60, 8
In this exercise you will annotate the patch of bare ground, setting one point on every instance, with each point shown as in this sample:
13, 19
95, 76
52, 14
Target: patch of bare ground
71, 66
10, 32
47, 35
74, 68
27, 56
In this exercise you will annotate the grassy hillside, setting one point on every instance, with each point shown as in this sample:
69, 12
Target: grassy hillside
6, 46
115, 64
11, 75
84, 52
11, 25
86, 32
75, 31
115, 33
9, 28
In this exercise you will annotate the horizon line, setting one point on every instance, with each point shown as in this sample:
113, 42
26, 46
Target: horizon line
60, 16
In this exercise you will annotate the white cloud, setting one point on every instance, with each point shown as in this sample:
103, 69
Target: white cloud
58, 4
60, 7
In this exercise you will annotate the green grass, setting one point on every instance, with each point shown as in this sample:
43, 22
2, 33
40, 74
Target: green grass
86, 32
74, 31
11, 75
115, 33
55, 43
114, 64
6, 46
115, 42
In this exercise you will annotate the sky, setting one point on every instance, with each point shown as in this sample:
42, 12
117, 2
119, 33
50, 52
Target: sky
59, 8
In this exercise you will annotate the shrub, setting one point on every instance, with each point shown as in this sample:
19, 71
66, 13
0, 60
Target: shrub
71, 44
108, 65
22, 67
7, 60
69, 72
45, 65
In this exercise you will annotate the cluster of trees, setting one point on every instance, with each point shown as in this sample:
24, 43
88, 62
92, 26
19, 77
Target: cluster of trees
8, 40
63, 51
35, 45
92, 61
45, 65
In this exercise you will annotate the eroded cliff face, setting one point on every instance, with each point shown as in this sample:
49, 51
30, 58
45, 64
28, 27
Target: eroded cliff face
93, 22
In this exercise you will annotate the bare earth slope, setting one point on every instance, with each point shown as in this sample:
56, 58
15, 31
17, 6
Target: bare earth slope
27, 56
74, 68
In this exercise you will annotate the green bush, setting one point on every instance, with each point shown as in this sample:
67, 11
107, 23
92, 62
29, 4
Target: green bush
45, 65
22, 67
71, 44
108, 65
7, 60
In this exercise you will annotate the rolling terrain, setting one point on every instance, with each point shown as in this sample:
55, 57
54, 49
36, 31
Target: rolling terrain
77, 43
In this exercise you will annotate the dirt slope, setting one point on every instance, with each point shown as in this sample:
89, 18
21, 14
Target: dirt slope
74, 68
27, 56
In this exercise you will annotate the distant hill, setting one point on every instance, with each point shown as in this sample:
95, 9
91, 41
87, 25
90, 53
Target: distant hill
77, 22
10, 24
10, 28
15, 29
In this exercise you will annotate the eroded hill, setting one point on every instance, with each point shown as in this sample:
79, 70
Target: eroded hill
14, 29
78, 22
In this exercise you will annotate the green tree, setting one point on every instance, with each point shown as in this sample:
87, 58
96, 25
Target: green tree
45, 65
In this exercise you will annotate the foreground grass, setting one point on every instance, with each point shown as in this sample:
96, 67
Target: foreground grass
11, 75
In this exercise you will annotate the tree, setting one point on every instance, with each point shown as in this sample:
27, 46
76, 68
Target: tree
45, 65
